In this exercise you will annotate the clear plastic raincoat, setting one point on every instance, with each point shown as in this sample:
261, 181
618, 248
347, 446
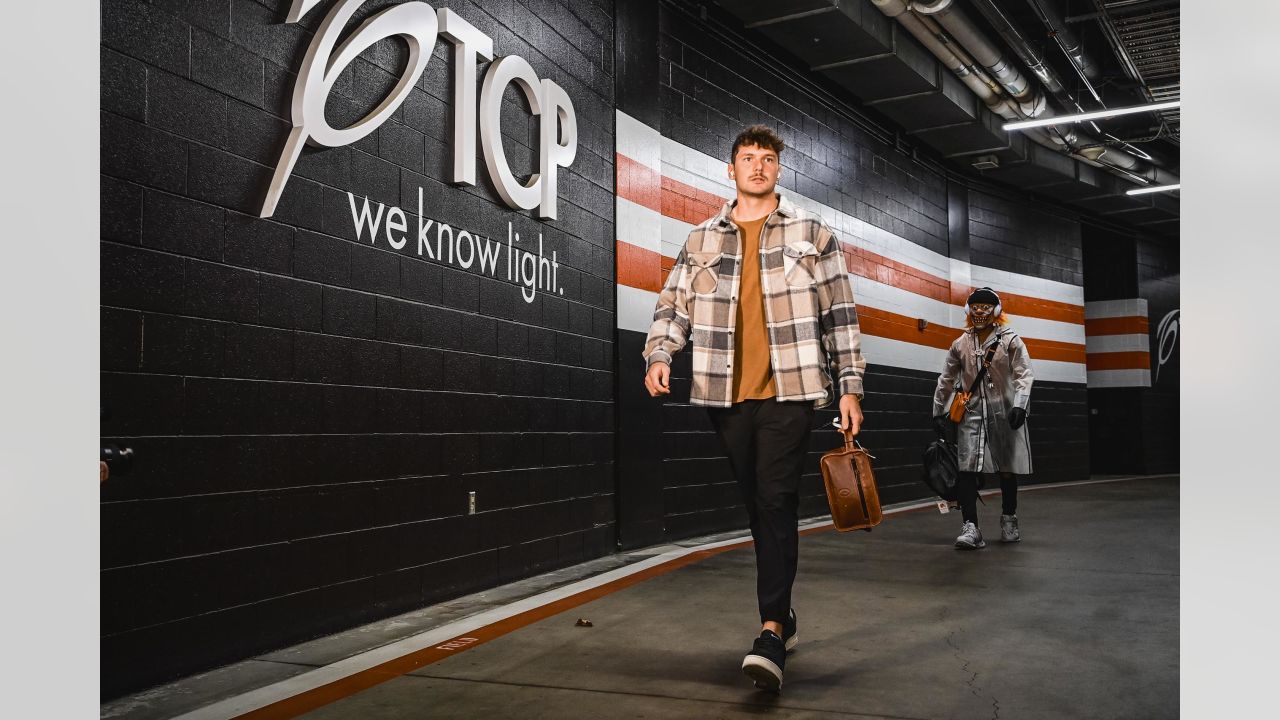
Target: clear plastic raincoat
985, 442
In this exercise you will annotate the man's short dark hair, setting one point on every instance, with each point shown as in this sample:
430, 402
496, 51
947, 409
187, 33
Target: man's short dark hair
758, 136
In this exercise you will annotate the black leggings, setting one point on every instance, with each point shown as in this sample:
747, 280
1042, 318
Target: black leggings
967, 495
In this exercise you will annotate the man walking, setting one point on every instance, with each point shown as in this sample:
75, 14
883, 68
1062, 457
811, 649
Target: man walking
762, 292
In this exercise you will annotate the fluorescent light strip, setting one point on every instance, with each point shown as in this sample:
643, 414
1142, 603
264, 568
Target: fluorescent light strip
1081, 117
1153, 188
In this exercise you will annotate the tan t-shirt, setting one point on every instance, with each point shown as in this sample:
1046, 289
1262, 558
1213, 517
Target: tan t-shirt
752, 368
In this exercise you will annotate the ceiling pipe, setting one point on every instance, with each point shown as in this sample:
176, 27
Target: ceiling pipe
1069, 43
949, 15
969, 74
1027, 53
948, 47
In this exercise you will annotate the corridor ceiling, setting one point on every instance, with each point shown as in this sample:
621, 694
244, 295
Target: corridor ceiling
1102, 53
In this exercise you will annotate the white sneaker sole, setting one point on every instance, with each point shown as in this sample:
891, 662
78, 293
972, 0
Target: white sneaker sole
764, 672
793, 641
968, 546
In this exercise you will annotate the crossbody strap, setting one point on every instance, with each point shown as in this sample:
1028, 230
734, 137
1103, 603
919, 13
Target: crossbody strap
986, 363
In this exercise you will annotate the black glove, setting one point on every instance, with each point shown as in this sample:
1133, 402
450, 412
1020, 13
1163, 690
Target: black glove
1017, 416
941, 423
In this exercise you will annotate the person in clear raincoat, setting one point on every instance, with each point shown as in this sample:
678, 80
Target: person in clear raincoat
992, 438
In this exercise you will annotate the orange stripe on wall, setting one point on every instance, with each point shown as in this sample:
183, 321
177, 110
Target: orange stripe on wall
893, 326
1131, 325
639, 268
639, 183
885, 324
873, 266
687, 203
647, 270
1054, 350
1119, 361
680, 201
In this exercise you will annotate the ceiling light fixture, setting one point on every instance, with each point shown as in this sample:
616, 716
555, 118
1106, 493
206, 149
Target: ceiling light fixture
1081, 117
1153, 188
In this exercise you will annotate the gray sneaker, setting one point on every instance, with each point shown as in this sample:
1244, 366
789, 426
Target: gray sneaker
1009, 528
970, 537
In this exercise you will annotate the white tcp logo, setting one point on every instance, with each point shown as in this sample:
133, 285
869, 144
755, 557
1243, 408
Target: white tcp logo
418, 24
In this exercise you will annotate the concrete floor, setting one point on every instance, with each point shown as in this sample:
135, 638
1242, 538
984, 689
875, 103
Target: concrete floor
1079, 620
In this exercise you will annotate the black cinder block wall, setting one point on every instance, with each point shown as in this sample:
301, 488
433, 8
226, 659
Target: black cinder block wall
310, 409
1159, 280
1135, 429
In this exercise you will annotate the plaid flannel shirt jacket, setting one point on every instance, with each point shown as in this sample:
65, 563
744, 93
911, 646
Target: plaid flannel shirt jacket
808, 302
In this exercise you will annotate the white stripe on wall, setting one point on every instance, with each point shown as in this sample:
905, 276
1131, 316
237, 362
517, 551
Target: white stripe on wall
1057, 371
639, 142
639, 226
635, 308
1028, 285
674, 233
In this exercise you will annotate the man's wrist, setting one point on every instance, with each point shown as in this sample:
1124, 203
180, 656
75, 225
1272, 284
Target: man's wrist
657, 355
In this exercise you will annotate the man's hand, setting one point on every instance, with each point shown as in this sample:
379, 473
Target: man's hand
850, 414
658, 380
940, 425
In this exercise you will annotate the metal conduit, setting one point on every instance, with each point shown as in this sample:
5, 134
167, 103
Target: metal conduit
947, 33
949, 15
1070, 44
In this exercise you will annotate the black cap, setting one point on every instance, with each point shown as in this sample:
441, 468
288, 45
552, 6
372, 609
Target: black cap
983, 295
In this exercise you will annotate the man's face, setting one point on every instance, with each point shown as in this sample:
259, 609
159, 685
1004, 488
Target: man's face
982, 314
755, 171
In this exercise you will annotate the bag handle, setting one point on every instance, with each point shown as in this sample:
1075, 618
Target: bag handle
850, 440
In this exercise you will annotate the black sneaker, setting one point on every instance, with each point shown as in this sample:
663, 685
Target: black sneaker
765, 661
789, 637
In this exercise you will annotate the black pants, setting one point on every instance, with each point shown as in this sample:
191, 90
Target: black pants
766, 441
967, 495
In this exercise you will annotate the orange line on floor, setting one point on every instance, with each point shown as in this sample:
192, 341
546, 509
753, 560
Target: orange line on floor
326, 694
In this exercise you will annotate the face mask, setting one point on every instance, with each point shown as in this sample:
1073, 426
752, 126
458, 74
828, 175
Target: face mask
981, 318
